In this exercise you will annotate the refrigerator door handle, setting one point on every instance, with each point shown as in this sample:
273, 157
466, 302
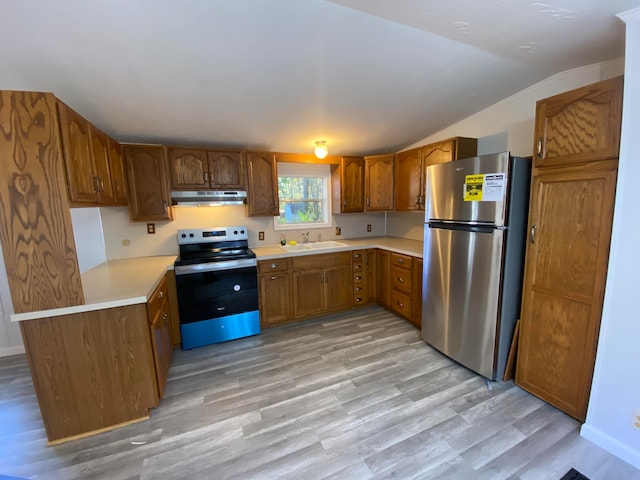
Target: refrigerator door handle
464, 227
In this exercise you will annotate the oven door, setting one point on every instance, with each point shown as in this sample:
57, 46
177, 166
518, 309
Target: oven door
205, 295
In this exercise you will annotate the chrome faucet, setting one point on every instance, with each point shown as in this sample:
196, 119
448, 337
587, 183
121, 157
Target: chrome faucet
305, 237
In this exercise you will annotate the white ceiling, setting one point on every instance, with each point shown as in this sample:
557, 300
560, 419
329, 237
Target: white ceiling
367, 76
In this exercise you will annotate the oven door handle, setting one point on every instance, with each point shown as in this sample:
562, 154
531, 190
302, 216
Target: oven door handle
214, 266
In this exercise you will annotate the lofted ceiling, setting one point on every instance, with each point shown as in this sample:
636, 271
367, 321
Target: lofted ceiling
367, 76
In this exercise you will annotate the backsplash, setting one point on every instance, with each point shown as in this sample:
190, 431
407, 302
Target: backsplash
118, 230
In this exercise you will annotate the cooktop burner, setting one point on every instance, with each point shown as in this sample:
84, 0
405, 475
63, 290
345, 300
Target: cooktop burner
217, 244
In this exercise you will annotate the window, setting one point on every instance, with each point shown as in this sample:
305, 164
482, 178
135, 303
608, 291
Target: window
303, 190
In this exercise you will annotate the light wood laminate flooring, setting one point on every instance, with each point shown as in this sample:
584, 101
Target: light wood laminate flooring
356, 395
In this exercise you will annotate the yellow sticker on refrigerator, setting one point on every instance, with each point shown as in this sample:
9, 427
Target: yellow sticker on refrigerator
488, 187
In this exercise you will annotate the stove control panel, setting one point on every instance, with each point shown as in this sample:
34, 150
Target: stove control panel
212, 235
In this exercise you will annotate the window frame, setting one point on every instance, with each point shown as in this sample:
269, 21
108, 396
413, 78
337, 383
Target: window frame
315, 170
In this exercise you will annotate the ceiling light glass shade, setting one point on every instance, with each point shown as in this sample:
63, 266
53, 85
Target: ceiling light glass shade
321, 150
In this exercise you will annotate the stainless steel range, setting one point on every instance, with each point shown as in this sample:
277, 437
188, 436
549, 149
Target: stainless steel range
217, 284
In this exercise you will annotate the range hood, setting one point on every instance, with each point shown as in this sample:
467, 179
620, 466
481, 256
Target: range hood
208, 198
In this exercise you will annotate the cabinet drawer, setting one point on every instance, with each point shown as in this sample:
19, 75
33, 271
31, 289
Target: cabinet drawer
159, 296
400, 260
272, 266
401, 304
401, 279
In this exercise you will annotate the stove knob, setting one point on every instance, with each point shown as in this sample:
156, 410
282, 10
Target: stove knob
235, 232
242, 231
184, 235
191, 235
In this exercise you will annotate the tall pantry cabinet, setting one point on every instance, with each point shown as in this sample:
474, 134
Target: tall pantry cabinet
577, 136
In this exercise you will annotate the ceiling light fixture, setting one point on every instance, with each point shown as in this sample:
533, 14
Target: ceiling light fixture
321, 150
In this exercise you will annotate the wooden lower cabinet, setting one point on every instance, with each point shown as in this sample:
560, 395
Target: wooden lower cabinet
159, 314
416, 296
566, 265
401, 285
364, 289
382, 269
92, 371
274, 283
321, 283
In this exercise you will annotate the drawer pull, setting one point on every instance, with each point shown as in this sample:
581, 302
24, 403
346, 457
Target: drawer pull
356, 255
274, 277
358, 299
401, 280
400, 260
274, 265
358, 289
400, 304
358, 277
160, 294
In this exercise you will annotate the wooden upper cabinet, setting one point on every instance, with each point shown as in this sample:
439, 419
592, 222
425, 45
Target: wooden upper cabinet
409, 187
226, 170
202, 169
148, 183
76, 147
580, 125
189, 168
93, 176
100, 153
411, 168
118, 178
378, 186
262, 184
347, 180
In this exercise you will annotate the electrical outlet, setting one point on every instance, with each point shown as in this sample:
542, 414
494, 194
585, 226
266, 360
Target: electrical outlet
260, 235
126, 242
636, 420
151, 228
338, 231
368, 227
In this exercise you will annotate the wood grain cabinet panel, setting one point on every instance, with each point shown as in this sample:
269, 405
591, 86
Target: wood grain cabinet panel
347, 180
159, 314
37, 244
148, 183
580, 125
76, 143
92, 371
118, 177
226, 170
321, 283
88, 163
411, 168
378, 188
570, 218
262, 184
274, 282
416, 295
189, 168
383, 278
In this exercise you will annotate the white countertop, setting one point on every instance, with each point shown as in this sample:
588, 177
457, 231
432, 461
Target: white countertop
115, 283
393, 244
118, 283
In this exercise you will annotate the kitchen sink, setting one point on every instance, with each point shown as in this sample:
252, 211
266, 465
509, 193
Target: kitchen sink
298, 247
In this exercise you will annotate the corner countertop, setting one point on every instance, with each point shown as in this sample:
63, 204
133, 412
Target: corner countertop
115, 283
398, 245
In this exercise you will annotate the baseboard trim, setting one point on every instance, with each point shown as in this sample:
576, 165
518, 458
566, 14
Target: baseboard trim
8, 351
611, 445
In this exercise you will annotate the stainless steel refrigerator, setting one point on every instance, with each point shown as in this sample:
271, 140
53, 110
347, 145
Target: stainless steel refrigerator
474, 242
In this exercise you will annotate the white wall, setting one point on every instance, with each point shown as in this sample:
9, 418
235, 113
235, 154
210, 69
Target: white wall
615, 392
505, 126
10, 338
117, 228
87, 232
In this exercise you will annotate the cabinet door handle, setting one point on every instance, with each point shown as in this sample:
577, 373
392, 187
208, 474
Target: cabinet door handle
165, 205
344, 202
368, 202
96, 183
160, 294
539, 147
206, 177
274, 277
532, 233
